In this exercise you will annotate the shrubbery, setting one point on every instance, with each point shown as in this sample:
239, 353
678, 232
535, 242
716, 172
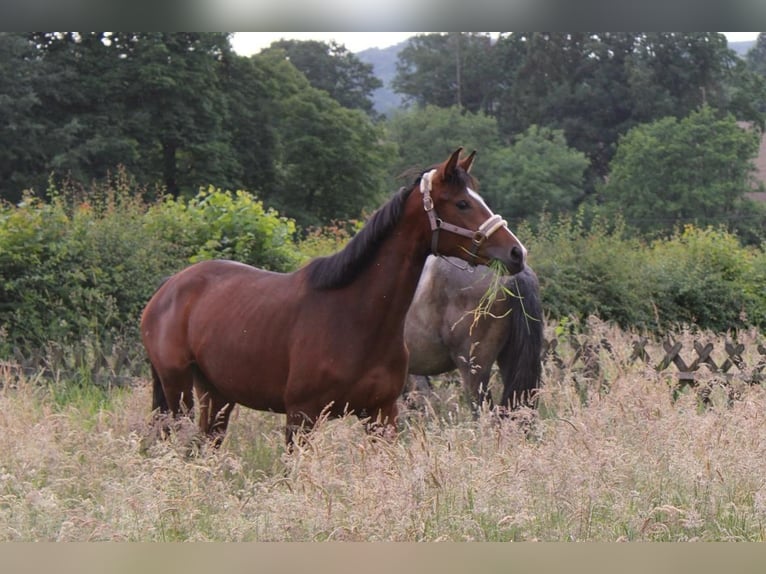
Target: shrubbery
699, 277
705, 277
83, 266
588, 270
80, 267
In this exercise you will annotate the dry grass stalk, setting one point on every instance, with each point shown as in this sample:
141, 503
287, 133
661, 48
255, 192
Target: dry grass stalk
609, 459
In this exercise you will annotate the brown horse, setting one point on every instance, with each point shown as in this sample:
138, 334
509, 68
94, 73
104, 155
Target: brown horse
329, 337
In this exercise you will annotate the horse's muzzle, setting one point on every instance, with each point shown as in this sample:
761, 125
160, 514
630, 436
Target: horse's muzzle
516, 259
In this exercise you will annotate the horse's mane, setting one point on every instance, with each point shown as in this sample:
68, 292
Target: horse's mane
341, 268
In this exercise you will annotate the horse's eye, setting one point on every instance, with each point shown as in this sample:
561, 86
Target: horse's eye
463, 204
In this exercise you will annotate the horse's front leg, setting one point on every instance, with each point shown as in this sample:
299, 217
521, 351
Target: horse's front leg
383, 424
297, 426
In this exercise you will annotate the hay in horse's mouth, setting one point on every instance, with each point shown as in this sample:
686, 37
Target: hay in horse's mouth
497, 291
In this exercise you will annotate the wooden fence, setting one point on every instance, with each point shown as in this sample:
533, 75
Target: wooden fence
698, 362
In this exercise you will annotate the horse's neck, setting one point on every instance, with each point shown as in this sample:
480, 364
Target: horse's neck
392, 277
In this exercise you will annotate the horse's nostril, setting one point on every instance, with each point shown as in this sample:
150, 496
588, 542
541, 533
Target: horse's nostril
517, 255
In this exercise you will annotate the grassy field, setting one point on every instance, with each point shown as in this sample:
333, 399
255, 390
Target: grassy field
607, 459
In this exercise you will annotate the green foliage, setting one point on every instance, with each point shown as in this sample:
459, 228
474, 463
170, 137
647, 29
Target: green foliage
326, 240
332, 169
700, 277
20, 127
183, 111
697, 169
445, 70
83, 266
430, 134
331, 67
217, 224
705, 277
87, 271
584, 271
756, 56
538, 172
593, 86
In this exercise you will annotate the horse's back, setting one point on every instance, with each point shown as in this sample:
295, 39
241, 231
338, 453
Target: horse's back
198, 307
179, 295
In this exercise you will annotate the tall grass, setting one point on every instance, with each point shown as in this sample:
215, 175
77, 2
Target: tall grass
620, 461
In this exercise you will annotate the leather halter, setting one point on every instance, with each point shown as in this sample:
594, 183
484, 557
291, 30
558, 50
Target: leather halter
478, 237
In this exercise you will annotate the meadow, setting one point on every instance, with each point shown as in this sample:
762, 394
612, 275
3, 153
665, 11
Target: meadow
612, 456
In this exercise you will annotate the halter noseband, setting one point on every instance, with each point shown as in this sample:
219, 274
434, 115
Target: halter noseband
478, 237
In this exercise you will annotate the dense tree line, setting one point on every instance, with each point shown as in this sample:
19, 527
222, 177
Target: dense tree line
561, 120
593, 86
183, 111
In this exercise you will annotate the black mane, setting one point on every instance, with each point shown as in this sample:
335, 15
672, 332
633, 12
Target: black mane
341, 268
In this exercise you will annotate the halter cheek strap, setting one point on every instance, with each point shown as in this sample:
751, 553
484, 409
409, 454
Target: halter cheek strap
486, 229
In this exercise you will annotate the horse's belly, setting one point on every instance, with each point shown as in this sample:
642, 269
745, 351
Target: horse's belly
428, 353
429, 359
246, 371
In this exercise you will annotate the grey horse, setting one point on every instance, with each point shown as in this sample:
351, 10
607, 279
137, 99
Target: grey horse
454, 322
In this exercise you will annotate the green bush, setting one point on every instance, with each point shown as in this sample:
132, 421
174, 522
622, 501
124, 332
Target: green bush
705, 277
698, 277
589, 270
220, 224
82, 266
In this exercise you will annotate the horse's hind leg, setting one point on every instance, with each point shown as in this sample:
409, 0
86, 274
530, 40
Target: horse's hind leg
476, 386
172, 395
214, 410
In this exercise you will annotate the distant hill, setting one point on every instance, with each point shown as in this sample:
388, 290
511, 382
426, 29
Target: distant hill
383, 62
741, 48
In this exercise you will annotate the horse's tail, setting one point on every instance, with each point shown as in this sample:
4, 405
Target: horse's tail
520, 360
159, 400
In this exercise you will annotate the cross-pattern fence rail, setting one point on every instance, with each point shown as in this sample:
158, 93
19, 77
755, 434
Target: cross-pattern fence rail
690, 361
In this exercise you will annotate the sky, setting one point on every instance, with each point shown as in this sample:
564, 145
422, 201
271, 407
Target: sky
247, 43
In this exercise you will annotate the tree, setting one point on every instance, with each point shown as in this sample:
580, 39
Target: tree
329, 66
423, 135
21, 130
446, 70
697, 169
248, 124
749, 84
76, 106
686, 70
177, 109
596, 86
538, 172
95, 100
330, 161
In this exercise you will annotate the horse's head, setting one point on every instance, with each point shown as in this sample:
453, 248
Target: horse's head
462, 225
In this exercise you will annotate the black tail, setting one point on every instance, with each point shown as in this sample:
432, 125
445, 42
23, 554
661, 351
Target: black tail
159, 400
520, 361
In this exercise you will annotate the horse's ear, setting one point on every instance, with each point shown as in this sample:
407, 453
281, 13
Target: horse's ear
452, 163
467, 162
